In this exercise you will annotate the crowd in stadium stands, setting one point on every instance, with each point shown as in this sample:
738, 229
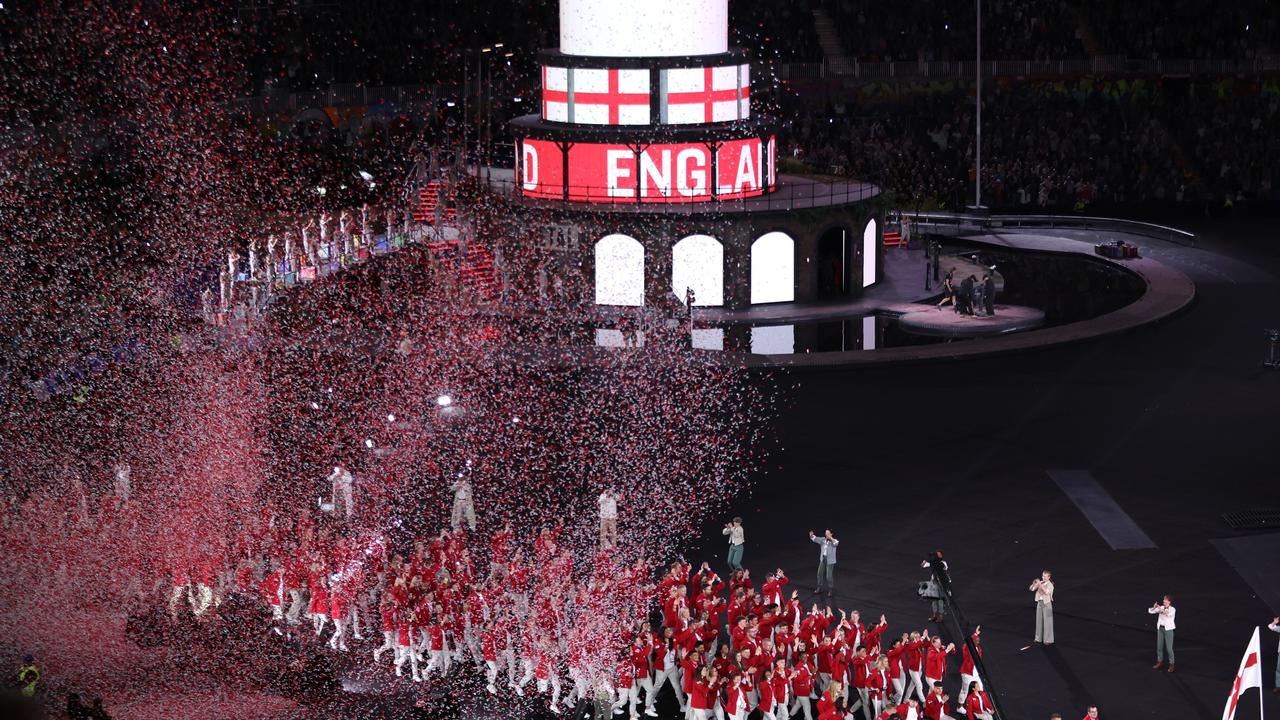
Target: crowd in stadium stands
1237, 30
309, 45
1065, 144
1024, 30
1050, 30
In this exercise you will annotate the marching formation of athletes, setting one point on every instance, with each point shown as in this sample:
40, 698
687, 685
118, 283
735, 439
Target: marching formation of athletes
722, 647
508, 607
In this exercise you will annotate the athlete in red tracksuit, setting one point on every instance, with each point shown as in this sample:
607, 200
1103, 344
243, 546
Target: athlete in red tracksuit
802, 687
492, 646
935, 661
702, 697
781, 688
935, 704
387, 614
914, 662
978, 706
736, 706
765, 687
405, 650
967, 672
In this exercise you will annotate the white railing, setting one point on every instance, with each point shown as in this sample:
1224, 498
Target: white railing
1081, 222
951, 69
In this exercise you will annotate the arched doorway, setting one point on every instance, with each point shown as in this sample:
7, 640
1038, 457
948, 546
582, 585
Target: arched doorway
833, 248
619, 271
697, 262
869, 242
773, 269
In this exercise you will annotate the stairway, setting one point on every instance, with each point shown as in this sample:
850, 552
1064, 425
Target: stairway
431, 208
474, 269
829, 39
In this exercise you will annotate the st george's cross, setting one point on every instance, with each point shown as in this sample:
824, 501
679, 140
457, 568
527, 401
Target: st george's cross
595, 96
1249, 676
704, 95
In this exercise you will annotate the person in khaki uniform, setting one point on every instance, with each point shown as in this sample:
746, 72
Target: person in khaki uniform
1043, 588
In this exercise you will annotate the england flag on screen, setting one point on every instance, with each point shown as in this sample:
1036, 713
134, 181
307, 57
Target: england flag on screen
610, 97
705, 95
555, 94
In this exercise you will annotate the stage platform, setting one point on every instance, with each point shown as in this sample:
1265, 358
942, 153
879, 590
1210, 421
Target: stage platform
945, 322
902, 291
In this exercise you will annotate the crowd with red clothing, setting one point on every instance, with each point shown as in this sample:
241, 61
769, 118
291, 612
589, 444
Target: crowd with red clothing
784, 660
512, 609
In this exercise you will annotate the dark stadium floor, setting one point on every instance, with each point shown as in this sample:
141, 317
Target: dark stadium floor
1178, 422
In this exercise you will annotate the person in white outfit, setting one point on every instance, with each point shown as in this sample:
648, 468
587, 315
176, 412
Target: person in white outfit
124, 483
342, 482
737, 538
463, 505
1165, 612
1043, 588
608, 518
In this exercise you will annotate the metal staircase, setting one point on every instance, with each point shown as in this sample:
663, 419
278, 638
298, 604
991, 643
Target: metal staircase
829, 40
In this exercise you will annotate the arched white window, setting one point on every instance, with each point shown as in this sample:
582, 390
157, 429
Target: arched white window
619, 271
773, 269
698, 262
869, 253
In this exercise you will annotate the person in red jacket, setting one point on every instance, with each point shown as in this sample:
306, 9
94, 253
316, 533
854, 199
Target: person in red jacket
272, 589
802, 686
765, 688
436, 648
897, 668
387, 613
547, 672
861, 668
909, 710
836, 711
339, 610
319, 610
935, 662
405, 651
641, 648
667, 665
827, 701
691, 668
771, 590
878, 685
935, 704
967, 673
736, 706
1091, 713
914, 662
493, 639
704, 690
627, 693
979, 705
781, 689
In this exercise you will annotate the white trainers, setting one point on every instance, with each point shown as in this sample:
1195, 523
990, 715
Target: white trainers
651, 712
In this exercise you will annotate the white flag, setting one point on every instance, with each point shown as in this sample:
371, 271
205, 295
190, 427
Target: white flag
1249, 676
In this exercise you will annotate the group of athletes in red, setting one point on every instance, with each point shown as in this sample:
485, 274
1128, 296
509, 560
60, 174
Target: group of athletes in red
723, 647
